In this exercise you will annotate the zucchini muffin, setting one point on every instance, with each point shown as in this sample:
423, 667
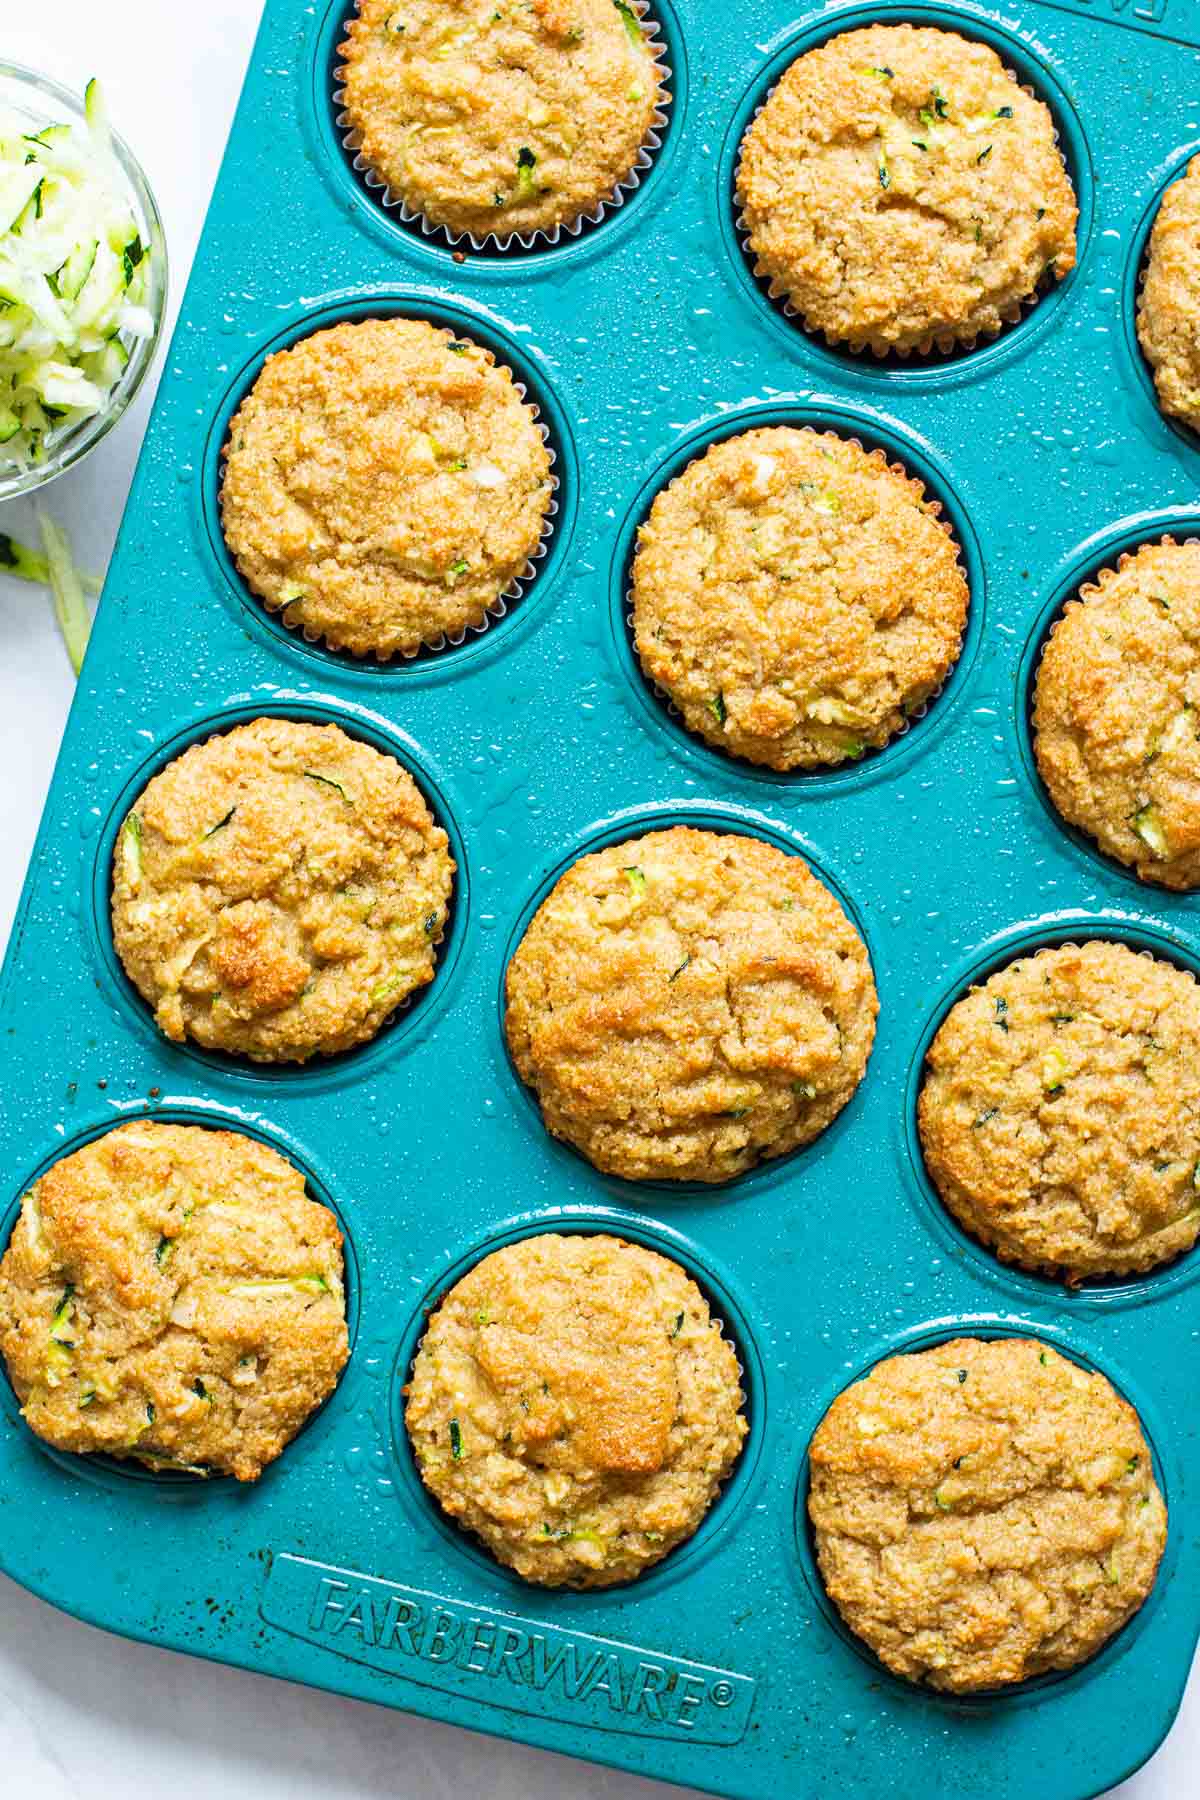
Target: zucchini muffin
1168, 318
687, 1003
1060, 1116
171, 1295
278, 891
902, 191
797, 597
575, 1405
984, 1512
1116, 713
384, 484
505, 120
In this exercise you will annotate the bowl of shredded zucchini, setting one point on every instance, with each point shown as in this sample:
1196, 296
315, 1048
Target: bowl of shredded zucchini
83, 277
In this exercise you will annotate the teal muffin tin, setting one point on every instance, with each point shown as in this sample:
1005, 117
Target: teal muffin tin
641, 340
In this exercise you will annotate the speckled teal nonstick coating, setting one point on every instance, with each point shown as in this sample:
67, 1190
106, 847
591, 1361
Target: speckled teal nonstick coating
640, 341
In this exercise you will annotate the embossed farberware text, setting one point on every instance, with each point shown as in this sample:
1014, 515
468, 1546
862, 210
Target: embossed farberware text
525, 1665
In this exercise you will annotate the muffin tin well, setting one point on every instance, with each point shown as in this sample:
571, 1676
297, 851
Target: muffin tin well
874, 431
718, 1288
1105, 1292
1102, 551
342, 163
115, 1473
1038, 1688
1023, 56
522, 597
641, 340
1137, 252
632, 824
415, 1015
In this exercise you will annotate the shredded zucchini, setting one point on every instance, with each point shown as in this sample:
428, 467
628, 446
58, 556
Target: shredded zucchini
18, 559
75, 281
30, 565
70, 606
631, 22
526, 164
1148, 826
131, 851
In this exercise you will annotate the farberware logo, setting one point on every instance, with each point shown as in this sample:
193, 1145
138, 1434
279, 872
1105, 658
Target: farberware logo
1164, 18
523, 1665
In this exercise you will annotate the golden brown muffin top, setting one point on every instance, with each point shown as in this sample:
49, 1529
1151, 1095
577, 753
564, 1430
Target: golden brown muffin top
171, 1295
688, 1002
797, 597
505, 120
1168, 319
1117, 712
903, 191
574, 1404
279, 890
385, 483
984, 1511
1060, 1116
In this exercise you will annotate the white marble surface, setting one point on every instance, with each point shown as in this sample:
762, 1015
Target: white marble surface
80, 1712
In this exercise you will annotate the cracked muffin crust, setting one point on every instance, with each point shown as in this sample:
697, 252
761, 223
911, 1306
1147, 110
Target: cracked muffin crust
687, 1003
505, 120
1168, 314
903, 191
984, 1512
171, 1295
575, 1405
384, 484
1116, 712
797, 597
279, 890
1060, 1116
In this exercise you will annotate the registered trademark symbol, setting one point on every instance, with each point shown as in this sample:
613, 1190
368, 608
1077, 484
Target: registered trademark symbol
721, 1693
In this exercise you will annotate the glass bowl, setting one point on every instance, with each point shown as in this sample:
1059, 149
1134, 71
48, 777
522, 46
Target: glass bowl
36, 102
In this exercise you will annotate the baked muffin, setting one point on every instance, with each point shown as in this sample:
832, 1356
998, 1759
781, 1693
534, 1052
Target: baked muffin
502, 122
1168, 317
902, 191
278, 891
1060, 1116
575, 1405
1116, 712
686, 1003
384, 484
171, 1295
797, 597
984, 1512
